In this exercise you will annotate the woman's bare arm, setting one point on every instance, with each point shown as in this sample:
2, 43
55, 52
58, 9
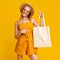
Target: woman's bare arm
17, 32
41, 17
34, 22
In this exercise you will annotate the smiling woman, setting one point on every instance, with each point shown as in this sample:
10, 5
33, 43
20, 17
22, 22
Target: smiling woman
26, 11
29, 8
24, 33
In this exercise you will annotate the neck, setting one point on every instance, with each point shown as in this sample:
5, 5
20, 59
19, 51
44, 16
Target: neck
24, 18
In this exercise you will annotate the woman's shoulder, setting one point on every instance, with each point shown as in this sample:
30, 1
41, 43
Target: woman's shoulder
17, 22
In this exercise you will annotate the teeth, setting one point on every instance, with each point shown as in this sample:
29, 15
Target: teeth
24, 14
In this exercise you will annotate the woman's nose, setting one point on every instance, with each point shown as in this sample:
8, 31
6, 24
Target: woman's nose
25, 11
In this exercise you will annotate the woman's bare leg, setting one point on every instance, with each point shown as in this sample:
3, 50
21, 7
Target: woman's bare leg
19, 57
33, 57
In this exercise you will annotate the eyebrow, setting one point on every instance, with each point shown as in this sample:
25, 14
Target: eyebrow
25, 9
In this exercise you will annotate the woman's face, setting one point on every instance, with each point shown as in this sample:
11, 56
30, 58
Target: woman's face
26, 11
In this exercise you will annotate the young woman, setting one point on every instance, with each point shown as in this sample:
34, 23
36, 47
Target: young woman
23, 32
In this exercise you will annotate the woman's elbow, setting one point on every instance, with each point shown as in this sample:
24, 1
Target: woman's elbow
16, 36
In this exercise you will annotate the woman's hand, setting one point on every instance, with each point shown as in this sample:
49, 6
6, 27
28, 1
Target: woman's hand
23, 31
19, 33
41, 17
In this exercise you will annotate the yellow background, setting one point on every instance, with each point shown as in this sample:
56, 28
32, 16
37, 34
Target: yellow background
9, 14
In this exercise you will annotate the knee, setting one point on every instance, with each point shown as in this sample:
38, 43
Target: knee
19, 57
33, 57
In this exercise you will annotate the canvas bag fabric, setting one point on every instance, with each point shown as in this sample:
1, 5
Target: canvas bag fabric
42, 36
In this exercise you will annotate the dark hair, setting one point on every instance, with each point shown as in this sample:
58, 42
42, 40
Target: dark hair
24, 5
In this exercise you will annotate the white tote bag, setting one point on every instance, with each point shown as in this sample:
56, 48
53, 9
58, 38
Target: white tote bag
42, 36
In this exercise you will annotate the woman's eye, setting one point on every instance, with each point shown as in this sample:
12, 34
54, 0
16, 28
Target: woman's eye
24, 9
27, 11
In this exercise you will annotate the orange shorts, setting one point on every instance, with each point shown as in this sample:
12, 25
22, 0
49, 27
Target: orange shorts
25, 46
